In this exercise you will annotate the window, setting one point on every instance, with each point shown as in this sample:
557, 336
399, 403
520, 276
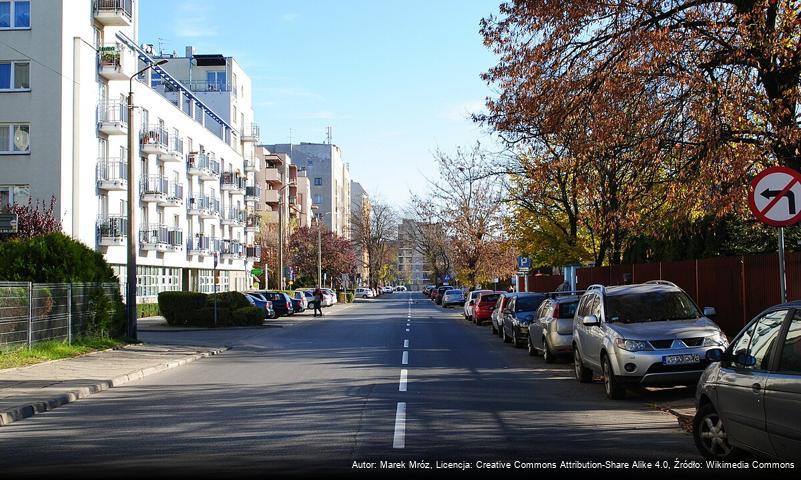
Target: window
216, 81
318, 181
15, 14
758, 340
15, 138
791, 351
11, 194
318, 199
15, 75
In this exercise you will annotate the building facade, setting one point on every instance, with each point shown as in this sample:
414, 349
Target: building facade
64, 112
330, 181
411, 264
360, 215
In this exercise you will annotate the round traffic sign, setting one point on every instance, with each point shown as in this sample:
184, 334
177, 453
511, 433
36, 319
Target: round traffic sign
775, 196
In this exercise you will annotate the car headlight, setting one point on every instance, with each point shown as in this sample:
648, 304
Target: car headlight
716, 341
633, 345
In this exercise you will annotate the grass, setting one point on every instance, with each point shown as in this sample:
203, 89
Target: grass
55, 350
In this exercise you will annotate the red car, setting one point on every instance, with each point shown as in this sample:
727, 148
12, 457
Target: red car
485, 304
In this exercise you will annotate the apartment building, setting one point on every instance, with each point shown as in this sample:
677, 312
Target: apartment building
360, 214
64, 79
411, 264
330, 181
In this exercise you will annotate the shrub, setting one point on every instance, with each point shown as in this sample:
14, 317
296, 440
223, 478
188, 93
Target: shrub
351, 296
52, 258
342, 298
100, 312
147, 310
248, 316
181, 308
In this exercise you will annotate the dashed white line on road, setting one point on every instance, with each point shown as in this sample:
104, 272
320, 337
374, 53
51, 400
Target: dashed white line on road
400, 426
405, 344
405, 360
407, 329
403, 378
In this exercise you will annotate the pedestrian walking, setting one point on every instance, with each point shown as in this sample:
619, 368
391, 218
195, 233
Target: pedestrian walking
318, 302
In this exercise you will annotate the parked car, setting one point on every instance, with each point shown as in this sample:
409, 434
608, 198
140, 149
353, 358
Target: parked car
649, 334
297, 305
470, 301
551, 333
308, 295
387, 289
282, 303
518, 315
428, 290
497, 313
748, 399
439, 292
451, 297
302, 301
257, 300
332, 297
484, 305
400, 288
364, 293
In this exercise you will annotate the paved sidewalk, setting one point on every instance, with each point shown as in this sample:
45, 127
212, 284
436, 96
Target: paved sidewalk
37, 388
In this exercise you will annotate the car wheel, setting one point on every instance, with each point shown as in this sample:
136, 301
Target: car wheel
614, 389
583, 374
710, 435
547, 354
531, 350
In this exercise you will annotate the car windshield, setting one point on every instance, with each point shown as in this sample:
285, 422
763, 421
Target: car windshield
453, 292
529, 303
493, 297
653, 306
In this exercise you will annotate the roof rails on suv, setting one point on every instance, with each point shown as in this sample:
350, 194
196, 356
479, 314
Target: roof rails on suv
661, 282
597, 286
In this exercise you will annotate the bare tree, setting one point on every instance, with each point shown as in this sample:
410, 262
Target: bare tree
374, 230
428, 239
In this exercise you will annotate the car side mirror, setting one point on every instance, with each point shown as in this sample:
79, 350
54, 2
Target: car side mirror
715, 355
590, 321
745, 359
710, 311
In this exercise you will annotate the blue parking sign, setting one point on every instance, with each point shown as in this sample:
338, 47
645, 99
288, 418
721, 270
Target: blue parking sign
523, 264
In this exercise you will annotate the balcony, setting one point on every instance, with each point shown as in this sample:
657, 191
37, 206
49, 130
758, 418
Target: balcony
234, 217
272, 176
114, 13
155, 140
112, 174
112, 118
293, 203
162, 191
202, 245
232, 250
252, 193
271, 196
233, 182
112, 62
253, 253
161, 238
203, 166
251, 165
203, 206
112, 231
252, 223
175, 150
250, 133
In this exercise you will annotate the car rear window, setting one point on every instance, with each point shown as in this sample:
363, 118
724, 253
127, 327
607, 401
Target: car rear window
568, 309
529, 303
653, 306
489, 298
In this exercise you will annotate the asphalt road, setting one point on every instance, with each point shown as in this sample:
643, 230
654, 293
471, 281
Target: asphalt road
318, 394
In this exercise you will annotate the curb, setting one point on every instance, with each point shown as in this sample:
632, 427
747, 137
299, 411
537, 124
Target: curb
28, 410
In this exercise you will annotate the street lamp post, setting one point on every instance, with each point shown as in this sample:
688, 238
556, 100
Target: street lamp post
281, 234
318, 217
130, 291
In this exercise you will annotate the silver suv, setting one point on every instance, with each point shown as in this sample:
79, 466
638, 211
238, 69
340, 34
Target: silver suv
651, 334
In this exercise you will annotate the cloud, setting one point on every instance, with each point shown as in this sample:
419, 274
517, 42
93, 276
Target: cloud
289, 17
462, 112
194, 21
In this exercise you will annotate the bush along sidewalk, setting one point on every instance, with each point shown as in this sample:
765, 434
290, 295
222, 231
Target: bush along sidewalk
55, 350
192, 309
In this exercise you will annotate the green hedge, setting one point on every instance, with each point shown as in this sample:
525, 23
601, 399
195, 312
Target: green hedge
53, 258
147, 310
248, 316
181, 308
351, 296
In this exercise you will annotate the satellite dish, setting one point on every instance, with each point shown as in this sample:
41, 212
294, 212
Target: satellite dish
22, 140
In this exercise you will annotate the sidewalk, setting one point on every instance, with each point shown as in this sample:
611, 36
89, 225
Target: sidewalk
37, 388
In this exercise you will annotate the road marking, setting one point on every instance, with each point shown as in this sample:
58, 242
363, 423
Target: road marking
400, 426
405, 360
403, 377
407, 329
405, 344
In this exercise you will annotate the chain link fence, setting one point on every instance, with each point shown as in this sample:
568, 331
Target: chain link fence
36, 312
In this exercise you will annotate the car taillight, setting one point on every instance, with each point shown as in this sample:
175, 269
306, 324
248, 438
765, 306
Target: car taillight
556, 311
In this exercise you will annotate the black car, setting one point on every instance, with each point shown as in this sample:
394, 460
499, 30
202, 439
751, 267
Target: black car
518, 314
282, 303
297, 305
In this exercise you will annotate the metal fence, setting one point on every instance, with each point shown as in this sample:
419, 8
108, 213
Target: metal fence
738, 287
36, 312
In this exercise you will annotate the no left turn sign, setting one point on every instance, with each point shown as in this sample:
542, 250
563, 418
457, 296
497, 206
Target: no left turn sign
775, 196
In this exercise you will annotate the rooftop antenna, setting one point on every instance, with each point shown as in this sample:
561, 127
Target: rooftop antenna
162, 42
329, 135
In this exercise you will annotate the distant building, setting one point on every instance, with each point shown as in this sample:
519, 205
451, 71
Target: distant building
360, 210
330, 181
411, 264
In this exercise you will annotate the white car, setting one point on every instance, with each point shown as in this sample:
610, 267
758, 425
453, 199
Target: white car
386, 290
364, 293
332, 296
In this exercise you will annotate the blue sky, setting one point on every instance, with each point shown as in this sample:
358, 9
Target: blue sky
394, 78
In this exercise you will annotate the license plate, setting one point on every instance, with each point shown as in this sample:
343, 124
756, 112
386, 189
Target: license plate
681, 359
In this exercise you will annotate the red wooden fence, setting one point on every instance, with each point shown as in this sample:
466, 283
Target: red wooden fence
738, 287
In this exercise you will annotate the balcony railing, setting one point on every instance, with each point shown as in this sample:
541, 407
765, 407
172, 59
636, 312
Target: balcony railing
155, 138
230, 180
199, 163
112, 227
114, 7
112, 172
112, 112
250, 133
204, 86
161, 235
232, 215
203, 244
158, 185
253, 221
232, 248
253, 252
252, 192
204, 205
176, 144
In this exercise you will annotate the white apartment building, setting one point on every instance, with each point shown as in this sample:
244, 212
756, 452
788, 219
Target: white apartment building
64, 76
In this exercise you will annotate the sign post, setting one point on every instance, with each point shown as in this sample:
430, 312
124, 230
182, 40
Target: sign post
523, 268
775, 199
